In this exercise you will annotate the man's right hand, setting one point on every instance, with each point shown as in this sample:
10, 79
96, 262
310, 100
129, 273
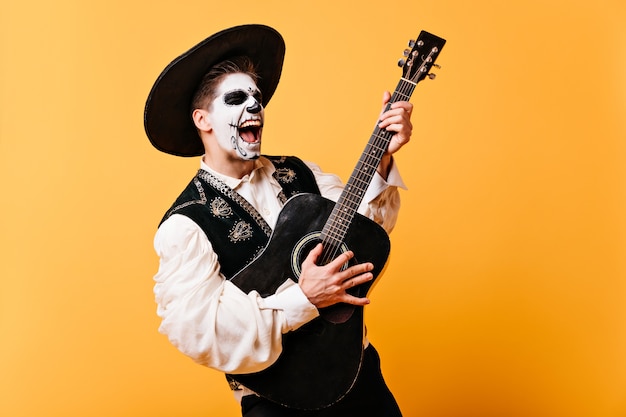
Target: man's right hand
327, 284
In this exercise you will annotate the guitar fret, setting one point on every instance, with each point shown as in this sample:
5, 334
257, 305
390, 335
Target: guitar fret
350, 198
335, 231
360, 176
337, 235
353, 198
344, 215
359, 190
405, 96
372, 165
375, 147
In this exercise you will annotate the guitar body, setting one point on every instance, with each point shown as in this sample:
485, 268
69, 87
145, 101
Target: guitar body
321, 360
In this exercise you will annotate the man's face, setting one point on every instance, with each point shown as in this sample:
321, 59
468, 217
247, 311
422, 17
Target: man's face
236, 116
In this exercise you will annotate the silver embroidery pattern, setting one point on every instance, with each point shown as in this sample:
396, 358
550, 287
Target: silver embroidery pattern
236, 197
285, 175
282, 198
257, 253
240, 231
201, 200
220, 208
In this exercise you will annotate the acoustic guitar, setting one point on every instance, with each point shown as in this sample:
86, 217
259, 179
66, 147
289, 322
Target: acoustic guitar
321, 360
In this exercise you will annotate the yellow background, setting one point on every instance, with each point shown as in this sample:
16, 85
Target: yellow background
504, 296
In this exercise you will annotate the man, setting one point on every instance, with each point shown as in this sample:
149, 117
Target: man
211, 101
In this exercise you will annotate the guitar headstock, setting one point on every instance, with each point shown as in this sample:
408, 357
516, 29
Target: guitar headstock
421, 58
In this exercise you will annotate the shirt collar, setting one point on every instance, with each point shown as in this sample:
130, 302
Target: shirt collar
259, 164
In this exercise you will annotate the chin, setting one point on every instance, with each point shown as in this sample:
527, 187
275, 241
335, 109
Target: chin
250, 154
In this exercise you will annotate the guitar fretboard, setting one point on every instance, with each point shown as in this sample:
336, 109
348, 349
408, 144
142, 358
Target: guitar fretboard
339, 222
419, 61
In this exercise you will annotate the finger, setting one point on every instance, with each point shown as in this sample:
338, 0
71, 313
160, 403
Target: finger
396, 116
385, 101
357, 280
386, 98
357, 301
314, 254
400, 131
356, 271
398, 107
395, 123
404, 105
357, 274
340, 260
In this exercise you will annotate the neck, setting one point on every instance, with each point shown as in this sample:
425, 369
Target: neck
229, 166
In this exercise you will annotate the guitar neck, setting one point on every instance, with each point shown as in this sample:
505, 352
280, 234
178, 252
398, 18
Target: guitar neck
340, 219
415, 68
373, 153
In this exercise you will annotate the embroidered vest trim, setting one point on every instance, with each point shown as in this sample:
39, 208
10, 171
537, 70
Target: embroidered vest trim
236, 230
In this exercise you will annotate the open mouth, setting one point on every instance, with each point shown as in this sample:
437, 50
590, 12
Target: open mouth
250, 131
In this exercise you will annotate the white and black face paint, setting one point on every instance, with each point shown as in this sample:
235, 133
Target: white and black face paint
237, 116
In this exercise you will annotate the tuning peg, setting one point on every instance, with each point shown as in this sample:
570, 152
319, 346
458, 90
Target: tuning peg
437, 66
406, 52
432, 76
411, 43
401, 62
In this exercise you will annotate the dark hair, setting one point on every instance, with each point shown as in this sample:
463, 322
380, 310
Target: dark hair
205, 92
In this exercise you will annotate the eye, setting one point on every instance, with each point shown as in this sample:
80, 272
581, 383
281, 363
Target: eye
257, 96
235, 98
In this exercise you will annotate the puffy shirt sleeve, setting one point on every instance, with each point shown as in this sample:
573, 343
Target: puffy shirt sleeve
208, 318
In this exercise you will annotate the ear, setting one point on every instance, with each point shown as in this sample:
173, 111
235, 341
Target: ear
201, 119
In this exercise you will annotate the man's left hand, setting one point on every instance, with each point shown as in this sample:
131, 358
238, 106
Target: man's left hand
397, 119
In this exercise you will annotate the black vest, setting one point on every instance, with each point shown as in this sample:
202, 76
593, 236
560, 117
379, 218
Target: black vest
235, 229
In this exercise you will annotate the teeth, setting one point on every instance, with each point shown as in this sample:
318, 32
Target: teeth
250, 123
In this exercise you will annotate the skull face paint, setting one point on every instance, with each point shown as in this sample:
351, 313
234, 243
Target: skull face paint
236, 116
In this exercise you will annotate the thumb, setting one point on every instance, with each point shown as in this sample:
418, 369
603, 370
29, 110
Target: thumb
386, 97
385, 100
312, 257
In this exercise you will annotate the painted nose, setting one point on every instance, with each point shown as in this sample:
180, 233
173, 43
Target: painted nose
254, 108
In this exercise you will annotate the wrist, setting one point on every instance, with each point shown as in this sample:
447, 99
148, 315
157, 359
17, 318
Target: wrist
385, 166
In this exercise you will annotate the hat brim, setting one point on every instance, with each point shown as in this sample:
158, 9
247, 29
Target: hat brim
167, 115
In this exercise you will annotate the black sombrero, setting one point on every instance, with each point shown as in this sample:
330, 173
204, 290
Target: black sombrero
167, 116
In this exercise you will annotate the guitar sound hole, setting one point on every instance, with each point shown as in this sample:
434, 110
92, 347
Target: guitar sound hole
338, 313
305, 245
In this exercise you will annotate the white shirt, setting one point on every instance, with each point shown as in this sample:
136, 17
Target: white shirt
211, 320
